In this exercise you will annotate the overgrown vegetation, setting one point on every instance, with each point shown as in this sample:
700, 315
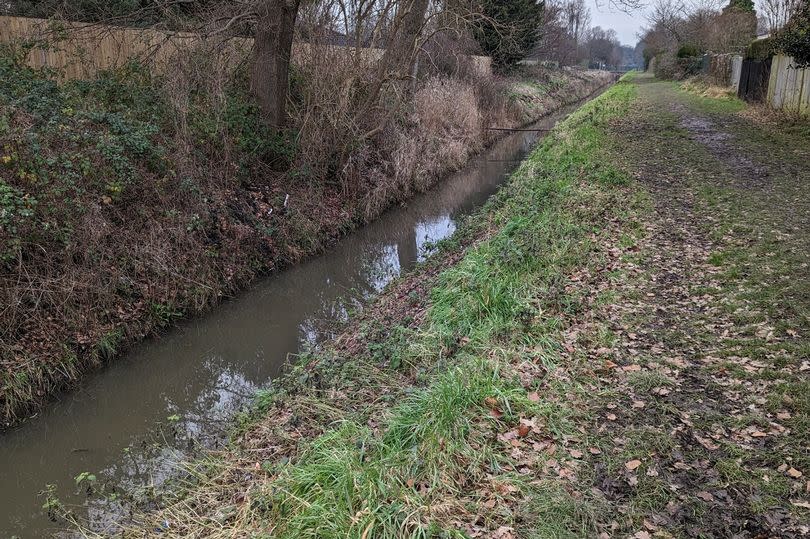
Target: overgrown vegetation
593, 355
678, 36
131, 200
794, 39
447, 442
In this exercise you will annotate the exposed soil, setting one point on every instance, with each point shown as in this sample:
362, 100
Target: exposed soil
717, 143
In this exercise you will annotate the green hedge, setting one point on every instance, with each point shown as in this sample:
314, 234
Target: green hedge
760, 49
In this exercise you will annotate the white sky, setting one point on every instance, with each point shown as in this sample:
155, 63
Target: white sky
627, 25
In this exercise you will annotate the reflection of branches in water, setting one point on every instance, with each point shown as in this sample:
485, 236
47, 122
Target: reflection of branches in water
428, 233
204, 373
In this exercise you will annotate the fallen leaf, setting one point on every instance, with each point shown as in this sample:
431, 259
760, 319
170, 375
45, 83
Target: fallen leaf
505, 488
575, 453
534, 397
504, 532
523, 430
705, 442
594, 451
639, 404
705, 496
642, 535
611, 417
632, 464
794, 473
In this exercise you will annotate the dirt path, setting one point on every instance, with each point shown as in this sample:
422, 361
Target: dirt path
599, 357
708, 420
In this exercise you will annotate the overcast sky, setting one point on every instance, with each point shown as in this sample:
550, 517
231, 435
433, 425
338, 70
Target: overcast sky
627, 26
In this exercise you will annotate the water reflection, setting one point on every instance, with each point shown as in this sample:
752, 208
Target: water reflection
208, 368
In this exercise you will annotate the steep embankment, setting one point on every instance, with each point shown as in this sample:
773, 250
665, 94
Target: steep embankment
126, 204
613, 347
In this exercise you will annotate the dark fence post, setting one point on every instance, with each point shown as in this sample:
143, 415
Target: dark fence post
754, 79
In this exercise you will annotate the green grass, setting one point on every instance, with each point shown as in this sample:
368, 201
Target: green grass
723, 104
402, 468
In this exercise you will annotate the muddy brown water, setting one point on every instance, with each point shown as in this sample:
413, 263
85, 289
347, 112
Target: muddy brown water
133, 421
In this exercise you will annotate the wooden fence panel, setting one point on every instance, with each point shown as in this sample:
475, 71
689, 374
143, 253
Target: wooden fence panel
736, 71
79, 50
789, 86
754, 79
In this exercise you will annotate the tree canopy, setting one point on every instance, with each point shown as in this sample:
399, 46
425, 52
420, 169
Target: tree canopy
742, 5
794, 39
510, 29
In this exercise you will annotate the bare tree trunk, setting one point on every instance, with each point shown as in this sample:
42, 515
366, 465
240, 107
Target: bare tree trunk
275, 28
400, 53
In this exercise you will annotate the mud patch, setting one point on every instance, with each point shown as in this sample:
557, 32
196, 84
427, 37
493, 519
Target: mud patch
720, 145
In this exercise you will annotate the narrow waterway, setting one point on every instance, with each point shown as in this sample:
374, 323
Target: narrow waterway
133, 420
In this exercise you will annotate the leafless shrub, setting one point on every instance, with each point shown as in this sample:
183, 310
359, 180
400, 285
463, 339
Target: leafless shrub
777, 13
198, 77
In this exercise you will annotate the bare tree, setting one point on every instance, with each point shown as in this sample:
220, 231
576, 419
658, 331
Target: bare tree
401, 51
578, 18
668, 17
272, 52
554, 43
777, 13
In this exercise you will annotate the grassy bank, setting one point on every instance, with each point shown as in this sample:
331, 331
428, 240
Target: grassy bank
128, 201
446, 408
615, 346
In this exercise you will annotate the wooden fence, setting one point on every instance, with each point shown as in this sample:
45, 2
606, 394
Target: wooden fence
79, 50
736, 71
754, 76
789, 86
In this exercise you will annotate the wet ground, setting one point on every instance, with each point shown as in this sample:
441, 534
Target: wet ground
712, 325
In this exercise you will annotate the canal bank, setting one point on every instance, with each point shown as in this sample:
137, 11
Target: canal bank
615, 346
415, 418
132, 421
119, 222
